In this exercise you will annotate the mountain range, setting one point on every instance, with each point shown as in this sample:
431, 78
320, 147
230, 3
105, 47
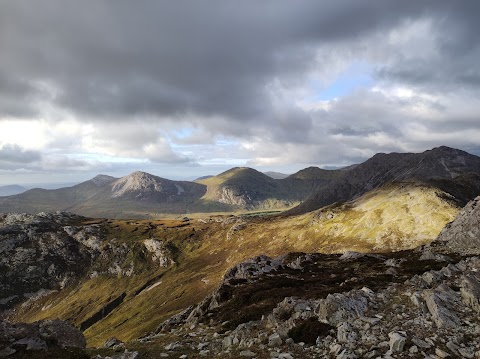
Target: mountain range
142, 195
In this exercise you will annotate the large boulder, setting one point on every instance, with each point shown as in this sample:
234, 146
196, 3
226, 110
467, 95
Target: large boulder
43, 335
462, 236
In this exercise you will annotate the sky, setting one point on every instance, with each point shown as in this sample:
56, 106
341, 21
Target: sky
187, 88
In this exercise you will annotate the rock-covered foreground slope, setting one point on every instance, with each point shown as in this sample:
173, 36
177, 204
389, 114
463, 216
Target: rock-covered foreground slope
431, 314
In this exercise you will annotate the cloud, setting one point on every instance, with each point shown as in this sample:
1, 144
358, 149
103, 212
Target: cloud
185, 82
12, 156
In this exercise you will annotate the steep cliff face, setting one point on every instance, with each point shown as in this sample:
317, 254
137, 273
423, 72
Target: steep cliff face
39, 253
462, 236
44, 253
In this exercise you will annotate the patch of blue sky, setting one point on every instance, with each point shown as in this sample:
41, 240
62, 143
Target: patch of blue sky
183, 132
356, 76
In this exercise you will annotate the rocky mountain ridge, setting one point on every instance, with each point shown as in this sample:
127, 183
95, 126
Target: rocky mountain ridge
443, 166
142, 195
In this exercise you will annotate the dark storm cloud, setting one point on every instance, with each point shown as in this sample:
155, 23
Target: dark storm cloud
455, 63
139, 72
15, 154
14, 157
105, 58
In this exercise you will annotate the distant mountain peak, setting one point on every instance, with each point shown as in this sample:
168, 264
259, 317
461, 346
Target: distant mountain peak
137, 181
101, 180
139, 174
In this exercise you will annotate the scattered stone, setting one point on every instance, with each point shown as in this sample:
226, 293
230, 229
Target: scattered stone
441, 354
420, 343
112, 342
437, 303
128, 355
173, 346
467, 352
247, 354
274, 340
470, 291
397, 342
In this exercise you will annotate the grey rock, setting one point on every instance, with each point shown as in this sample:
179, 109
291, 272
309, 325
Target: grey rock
128, 355
346, 334
341, 307
397, 342
467, 352
430, 255
438, 306
274, 340
159, 252
112, 342
41, 335
462, 236
470, 291
247, 354
173, 346
440, 353
420, 343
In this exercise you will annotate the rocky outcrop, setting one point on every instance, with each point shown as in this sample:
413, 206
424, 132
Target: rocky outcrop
48, 335
42, 252
462, 236
158, 251
141, 186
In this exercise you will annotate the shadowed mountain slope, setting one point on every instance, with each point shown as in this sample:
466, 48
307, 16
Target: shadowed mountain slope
445, 167
247, 188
